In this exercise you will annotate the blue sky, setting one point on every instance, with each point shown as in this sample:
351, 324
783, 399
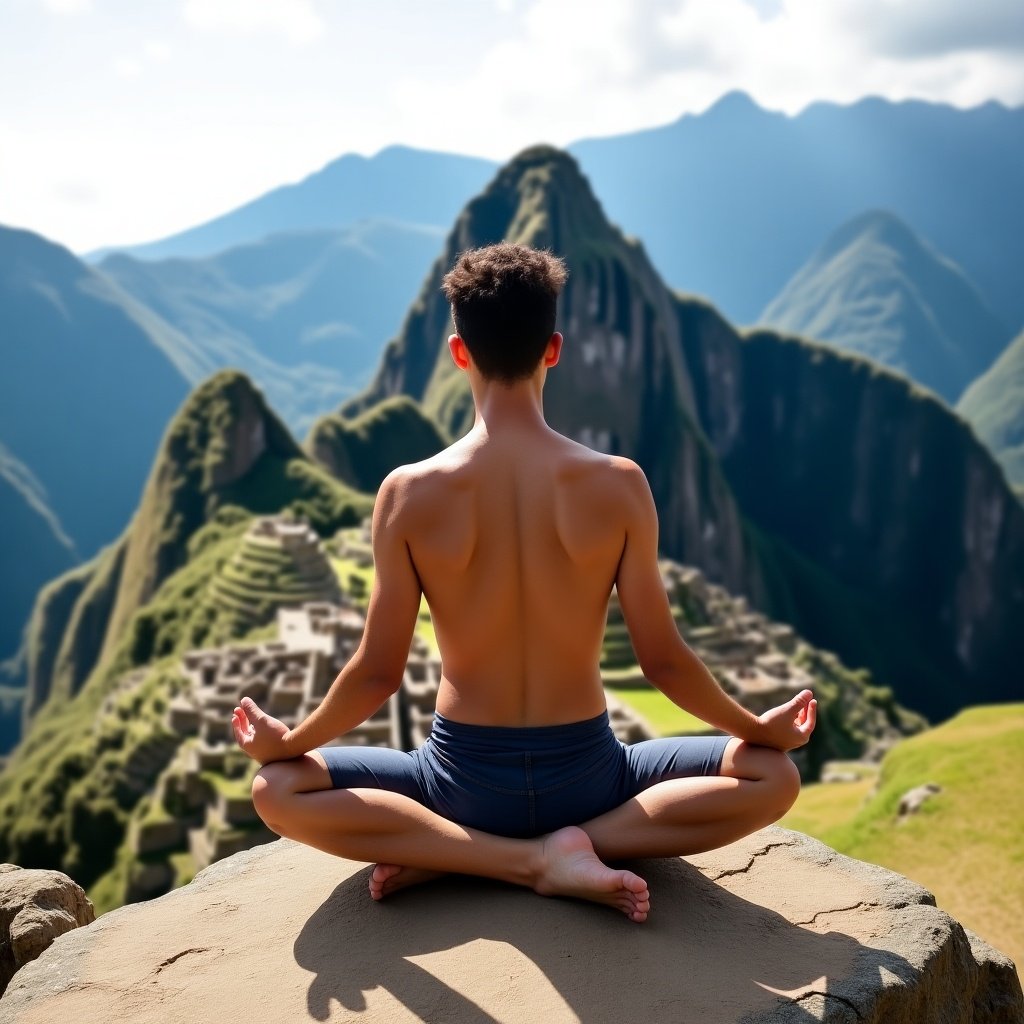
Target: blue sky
125, 120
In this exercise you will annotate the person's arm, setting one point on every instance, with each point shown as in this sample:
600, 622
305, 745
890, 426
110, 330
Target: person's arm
665, 658
376, 669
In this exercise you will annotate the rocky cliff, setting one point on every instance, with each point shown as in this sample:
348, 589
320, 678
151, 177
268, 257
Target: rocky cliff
899, 544
622, 385
835, 494
774, 928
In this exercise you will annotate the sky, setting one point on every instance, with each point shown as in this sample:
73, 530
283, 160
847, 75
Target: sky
122, 121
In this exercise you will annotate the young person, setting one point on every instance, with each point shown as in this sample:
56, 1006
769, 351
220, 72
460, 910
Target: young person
516, 536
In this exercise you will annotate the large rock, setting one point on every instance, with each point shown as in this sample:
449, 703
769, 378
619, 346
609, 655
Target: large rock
776, 927
35, 907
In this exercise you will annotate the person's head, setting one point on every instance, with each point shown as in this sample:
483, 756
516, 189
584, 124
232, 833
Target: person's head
503, 300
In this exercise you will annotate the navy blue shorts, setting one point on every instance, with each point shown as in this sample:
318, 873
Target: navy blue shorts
523, 782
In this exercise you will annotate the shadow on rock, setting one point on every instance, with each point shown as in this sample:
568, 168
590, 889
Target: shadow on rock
704, 954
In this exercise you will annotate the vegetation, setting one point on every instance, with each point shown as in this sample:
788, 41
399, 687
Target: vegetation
878, 289
994, 406
363, 450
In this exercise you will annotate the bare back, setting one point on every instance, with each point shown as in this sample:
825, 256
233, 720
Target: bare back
516, 541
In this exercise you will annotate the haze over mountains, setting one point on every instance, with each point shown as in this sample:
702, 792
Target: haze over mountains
729, 203
878, 289
304, 312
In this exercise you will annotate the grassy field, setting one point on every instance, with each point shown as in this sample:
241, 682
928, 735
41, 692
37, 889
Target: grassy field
664, 717
966, 843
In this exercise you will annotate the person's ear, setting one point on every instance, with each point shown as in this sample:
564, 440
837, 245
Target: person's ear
554, 349
460, 354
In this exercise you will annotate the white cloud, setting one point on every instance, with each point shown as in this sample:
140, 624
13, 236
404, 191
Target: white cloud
157, 51
68, 6
297, 19
127, 67
574, 68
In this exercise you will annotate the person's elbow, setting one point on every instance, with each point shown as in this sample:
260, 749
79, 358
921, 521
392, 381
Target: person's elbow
665, 662
380, 676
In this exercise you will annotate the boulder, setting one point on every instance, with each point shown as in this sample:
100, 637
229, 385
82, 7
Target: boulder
774, 928
35, 907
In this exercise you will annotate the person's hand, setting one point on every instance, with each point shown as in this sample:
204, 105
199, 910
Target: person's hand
260, 735
791, 724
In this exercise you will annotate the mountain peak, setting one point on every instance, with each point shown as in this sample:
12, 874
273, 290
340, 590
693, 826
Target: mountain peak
880, 226
734, 103
878, 288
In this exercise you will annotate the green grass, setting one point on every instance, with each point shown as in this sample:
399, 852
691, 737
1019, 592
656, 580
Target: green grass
664, 717
966, 844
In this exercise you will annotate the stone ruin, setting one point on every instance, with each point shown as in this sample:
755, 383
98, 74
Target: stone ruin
748, 654
288, 678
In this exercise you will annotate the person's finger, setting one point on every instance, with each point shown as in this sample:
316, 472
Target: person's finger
252, 710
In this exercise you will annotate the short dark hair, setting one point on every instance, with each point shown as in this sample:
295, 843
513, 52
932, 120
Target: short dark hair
504, 299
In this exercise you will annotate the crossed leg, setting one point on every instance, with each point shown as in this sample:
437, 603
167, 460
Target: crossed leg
410, 843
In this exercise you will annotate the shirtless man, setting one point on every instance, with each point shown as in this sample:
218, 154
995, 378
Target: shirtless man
516, 535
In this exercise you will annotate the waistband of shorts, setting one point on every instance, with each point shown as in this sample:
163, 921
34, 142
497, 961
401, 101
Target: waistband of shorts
528, 737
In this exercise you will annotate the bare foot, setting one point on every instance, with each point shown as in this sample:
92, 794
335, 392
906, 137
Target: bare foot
388, 878
571, 868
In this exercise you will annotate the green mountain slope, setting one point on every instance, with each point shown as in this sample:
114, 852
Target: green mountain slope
104, 639
224, 447
994, 406
362, 451
877, 289
303, 313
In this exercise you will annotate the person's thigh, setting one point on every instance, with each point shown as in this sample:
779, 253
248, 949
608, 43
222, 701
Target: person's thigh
372, 768
675, 757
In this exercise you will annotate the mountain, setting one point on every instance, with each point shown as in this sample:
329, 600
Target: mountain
361, 451
399, 183
33, 546
878, 289
622, 386
224, 447
994, 406
834, 493
730, 202
89, 380
304, 313
105, 638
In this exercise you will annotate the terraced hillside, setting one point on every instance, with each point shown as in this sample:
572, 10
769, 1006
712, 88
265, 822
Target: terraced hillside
761, 664
275, 564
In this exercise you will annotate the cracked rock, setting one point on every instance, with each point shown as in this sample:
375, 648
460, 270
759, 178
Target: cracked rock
774, 928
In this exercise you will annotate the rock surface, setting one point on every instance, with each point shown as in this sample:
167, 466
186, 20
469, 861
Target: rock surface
35, 907
774, 928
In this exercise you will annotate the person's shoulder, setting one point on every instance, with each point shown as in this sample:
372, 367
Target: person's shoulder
616, 471
406, 482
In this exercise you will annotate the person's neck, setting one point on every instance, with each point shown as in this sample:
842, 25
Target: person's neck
516, 409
